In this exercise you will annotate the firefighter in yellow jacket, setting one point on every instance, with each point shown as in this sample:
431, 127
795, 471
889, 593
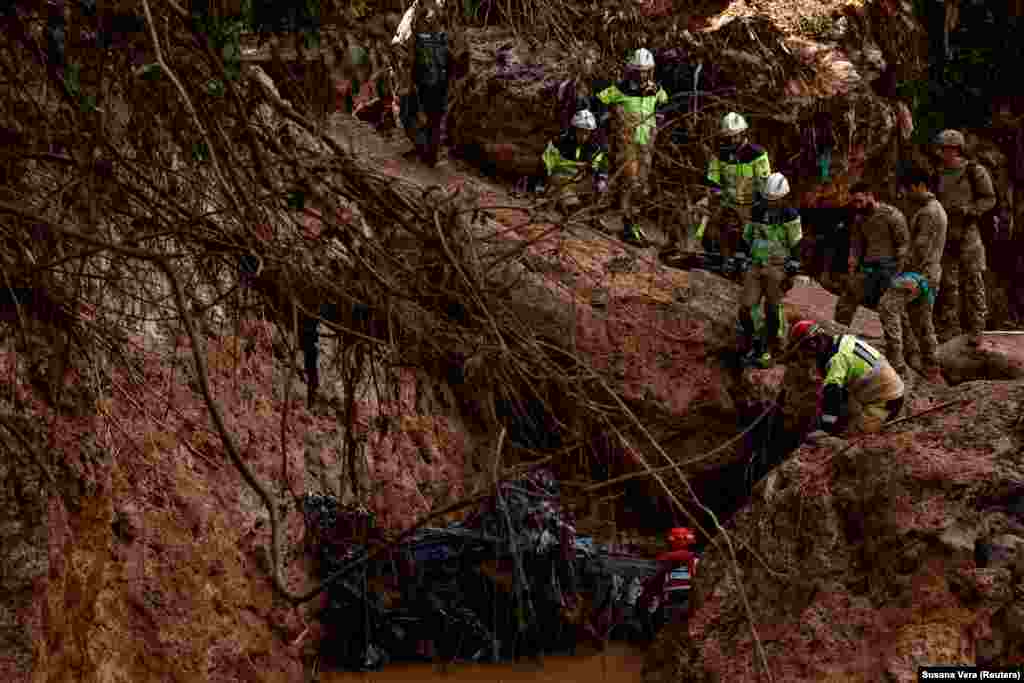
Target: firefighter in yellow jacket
574, 163
772, 238
736, 176
862, 392
633, 102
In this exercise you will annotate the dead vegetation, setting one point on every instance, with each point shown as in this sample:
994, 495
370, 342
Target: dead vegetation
154, 189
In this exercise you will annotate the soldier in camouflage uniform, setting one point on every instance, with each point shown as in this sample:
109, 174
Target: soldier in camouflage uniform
965, 199
878, 243
912, 293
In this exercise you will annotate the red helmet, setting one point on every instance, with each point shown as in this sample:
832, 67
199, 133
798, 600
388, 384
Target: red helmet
802, 331
681, 537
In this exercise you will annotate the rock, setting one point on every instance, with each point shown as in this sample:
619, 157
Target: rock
1002, 551
917, 645
996, 358
992, 584
1014, 619
24, 555
959, 538
894, 519
127, 524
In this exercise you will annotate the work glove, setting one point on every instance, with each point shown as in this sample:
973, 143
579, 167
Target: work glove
792, 266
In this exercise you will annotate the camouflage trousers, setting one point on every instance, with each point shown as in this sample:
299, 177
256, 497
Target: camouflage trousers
851, 297
903, 304
963, 271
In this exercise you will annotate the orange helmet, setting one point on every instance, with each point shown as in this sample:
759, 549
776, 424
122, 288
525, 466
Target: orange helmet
802, 331
681, 537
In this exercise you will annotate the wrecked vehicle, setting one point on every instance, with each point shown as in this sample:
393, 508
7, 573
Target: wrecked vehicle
511, 580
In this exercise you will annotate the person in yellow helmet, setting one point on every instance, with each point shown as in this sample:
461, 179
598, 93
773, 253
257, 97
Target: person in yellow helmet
862, 391
633, 102
736, 176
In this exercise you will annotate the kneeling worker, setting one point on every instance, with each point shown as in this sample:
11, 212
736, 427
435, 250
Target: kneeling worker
575, 164
859, 382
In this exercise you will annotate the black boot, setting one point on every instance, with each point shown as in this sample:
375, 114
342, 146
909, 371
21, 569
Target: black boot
772, 323
747, 327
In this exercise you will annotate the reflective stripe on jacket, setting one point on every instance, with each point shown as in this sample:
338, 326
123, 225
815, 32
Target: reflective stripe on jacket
863, 371
772, 233
740, 173
638, 108
565, 157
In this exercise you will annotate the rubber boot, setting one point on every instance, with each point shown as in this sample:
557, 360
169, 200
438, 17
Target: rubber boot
747, 337
772, 324
758, 355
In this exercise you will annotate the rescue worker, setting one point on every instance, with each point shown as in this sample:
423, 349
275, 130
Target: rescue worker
772, 239
574, 163
680, 539
736, 177
433, 59
632, 102
913, 290
861, 390
878, 245
965, 199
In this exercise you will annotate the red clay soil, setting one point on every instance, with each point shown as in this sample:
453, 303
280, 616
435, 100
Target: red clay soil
148, 561
861, 564
154, 550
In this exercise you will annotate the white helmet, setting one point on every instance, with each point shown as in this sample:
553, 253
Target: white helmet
584, 119
733, 124
776, 187
950, 138
641, 59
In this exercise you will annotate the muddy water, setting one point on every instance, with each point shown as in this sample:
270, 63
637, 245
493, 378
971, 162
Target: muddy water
619, 663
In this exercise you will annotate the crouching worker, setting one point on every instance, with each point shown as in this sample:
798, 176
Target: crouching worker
772, 238
862, 392
664, 584
575, 164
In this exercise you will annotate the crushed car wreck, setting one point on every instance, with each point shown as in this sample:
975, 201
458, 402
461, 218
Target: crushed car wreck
510, 580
